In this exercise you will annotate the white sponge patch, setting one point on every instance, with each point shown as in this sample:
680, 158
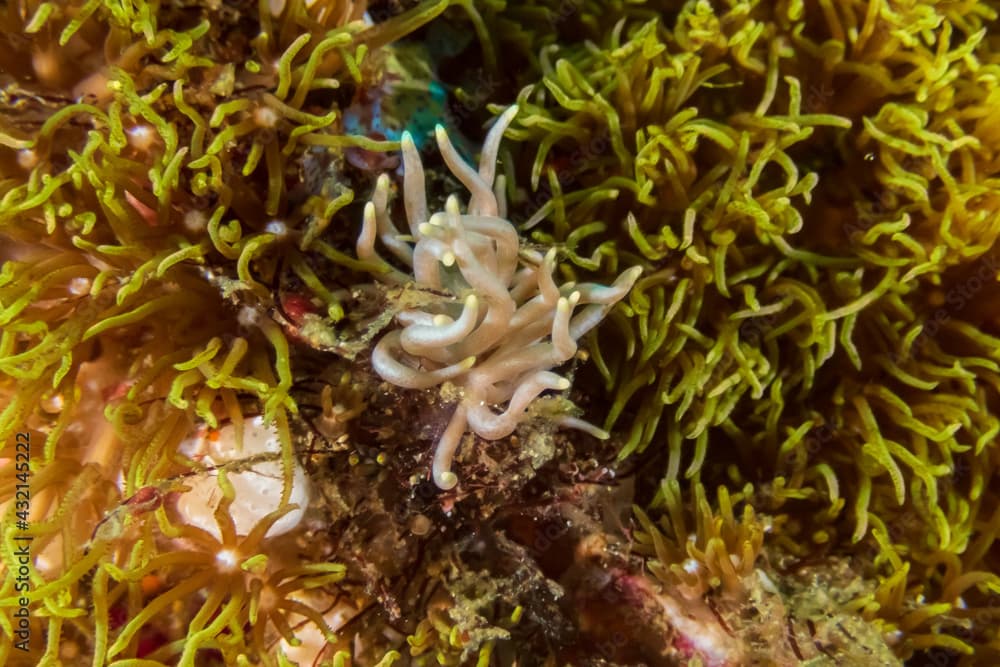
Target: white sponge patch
258, 488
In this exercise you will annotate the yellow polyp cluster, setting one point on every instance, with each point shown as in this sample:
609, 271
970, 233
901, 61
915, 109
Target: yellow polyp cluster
698, 550
668, 305
456, 631
238, 584
339, 402
813, 190
145, 217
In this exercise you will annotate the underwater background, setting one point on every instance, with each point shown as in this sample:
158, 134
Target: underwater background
764, 431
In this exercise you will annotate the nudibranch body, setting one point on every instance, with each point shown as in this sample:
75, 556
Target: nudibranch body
507, 323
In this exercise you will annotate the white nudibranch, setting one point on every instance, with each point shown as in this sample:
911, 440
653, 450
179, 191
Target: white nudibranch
508, 324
